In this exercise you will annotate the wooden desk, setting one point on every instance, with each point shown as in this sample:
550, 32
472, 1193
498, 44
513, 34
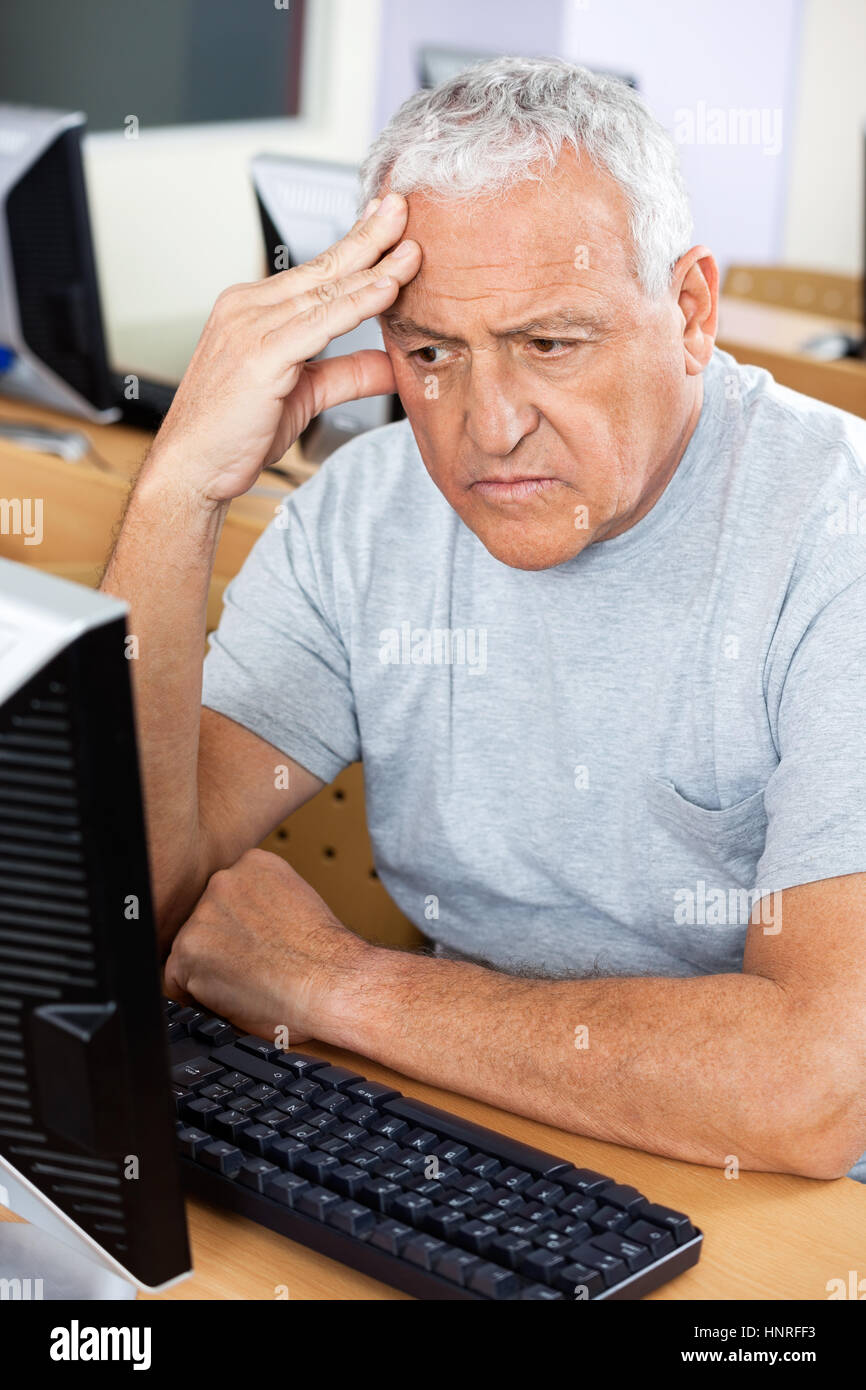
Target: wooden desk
771, 336
766, 1235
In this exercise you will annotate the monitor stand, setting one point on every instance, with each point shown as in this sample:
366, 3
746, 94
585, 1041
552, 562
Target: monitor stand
35, 1266
47, 1254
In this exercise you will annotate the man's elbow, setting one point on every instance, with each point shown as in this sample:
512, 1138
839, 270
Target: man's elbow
824, 1133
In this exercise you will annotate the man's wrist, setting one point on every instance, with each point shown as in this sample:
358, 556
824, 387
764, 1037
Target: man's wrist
364, 1006
162, 481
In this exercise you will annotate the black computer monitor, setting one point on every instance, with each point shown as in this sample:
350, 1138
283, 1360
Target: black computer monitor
87, 1147
52, 345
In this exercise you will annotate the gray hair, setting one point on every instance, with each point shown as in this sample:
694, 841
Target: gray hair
503, 121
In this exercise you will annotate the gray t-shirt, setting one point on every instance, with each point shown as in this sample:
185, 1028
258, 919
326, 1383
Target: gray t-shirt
597, 767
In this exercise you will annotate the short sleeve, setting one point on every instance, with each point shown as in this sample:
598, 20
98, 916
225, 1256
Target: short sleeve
815, 799
277, 664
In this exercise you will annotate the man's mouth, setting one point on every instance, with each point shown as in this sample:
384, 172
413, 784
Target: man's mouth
514, 489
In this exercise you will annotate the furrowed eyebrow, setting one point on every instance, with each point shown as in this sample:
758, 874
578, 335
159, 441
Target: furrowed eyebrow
557, 322
402, 327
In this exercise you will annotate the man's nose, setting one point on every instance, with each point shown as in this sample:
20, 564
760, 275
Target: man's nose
498, 415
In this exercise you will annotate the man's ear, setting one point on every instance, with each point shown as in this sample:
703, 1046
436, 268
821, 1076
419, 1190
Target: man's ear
696, 282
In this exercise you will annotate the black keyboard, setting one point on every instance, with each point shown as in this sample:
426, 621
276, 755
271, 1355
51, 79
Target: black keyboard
414, 1196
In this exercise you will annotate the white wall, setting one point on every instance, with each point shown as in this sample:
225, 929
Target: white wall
824, 214
174, 215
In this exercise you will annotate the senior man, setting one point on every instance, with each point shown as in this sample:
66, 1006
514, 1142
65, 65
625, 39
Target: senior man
592, 617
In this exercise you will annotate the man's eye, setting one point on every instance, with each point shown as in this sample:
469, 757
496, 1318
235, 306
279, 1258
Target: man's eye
427, 355
547, 346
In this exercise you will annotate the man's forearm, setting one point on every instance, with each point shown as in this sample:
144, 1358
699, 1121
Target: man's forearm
692, 1068
161, 565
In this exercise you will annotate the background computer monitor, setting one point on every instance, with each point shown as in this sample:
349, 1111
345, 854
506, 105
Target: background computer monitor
52, 346
86, 1128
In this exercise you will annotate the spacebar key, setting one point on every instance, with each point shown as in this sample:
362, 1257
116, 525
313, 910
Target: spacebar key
509, 1151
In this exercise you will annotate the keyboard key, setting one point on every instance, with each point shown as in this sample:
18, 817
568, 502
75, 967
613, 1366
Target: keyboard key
336, 1078
236, 1081
508, 1249
360, 1114
228, 1124
584, 1180
679, 1225
575, 1204
389, 1125
201, 1112
264, 1095
424, 1140
298, 1063
255, 1172
317, 1166
292, 1105
633, 1255
657, 1240
422, 1250
618, 1194
383, 1195
243, 1105
380, 1146
259, 1047
556, 1241
285, 1150
217, 1092
610, 1219
348, 1179
370, 1092
362, 1158
408, 1206
256, 1139
541, 1292
352, 1218
214, 1030
573, 1279
191, 1141
455, 1265
286, 1187
317, 1202
180, 1095
353, 1134
333, 1101
611, 1269
334, 1146
320, 1120
515, 1179
482, 1165
223, 1157
477, 1236
196, 1073
304, 1088
443, 1221
450, 1151
547, 1192
541, 1265
392, 1236
493, 1281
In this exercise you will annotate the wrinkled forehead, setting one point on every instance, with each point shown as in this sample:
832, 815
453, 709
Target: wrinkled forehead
567, 230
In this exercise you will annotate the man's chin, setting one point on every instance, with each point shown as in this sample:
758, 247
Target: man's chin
532, 547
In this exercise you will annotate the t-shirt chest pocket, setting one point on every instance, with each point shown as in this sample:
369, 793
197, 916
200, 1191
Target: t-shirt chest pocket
731, 838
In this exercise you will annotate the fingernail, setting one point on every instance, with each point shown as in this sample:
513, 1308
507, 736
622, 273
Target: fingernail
391, 204
370, 208
403, 250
